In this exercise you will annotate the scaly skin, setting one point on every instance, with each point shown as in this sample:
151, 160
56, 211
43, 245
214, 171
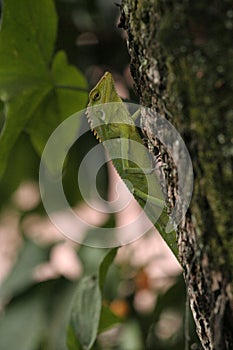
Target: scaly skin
112, 121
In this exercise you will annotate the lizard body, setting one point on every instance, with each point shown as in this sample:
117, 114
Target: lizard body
113, 125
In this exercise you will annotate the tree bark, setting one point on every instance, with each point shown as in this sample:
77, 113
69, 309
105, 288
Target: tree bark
181, 63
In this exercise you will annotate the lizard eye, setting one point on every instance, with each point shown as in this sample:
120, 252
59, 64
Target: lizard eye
96, 96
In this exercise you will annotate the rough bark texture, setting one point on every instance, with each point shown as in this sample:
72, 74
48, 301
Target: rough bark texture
181, 62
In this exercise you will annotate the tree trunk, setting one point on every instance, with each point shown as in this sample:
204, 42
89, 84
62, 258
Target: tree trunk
181, 55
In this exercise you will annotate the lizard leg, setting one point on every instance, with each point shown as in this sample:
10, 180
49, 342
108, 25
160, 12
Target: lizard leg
136, 115
125, 161
139, 171
146, 197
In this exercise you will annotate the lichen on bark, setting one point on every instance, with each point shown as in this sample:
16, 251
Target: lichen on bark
181, 62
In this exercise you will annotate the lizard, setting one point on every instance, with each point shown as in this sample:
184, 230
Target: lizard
114, 126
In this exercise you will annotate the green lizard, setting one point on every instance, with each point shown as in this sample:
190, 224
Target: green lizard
113, 125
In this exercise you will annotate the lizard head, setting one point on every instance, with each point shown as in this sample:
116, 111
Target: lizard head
102, 108
104, 91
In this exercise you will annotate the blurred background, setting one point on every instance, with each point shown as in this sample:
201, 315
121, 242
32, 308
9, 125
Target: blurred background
40, 268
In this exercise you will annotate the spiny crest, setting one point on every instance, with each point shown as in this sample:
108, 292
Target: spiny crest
93, 129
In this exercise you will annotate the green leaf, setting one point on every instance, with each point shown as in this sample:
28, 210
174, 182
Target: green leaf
104, 266
86, 311
59, 314
131, 337
27, 81
27, 37
66, 75
18, 111
24, 323
21, 276
2, 116
107, 319
87, 305
19, 168
59, 104
71, 340
28, 32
